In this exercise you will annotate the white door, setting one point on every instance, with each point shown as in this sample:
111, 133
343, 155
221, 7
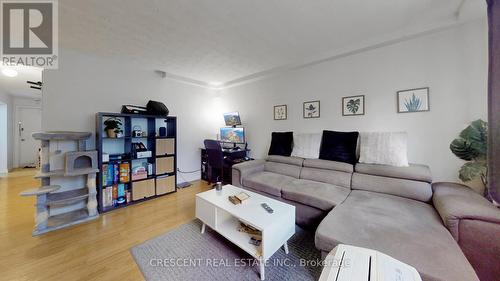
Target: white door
29, 121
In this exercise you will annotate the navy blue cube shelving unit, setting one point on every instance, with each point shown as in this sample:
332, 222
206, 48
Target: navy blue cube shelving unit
154, 185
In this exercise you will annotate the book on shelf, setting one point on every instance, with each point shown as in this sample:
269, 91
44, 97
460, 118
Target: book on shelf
116, 172
254, 232
124, 172
104, 174
107, 198
115, 194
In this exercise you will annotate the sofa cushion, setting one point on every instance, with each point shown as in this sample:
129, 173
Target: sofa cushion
339, 146
328, 165
281, 143
408, 230
412, 172
316, 194
283, 169
306, 145
297, 161
267, 182
342, 179
417, 190
388, 148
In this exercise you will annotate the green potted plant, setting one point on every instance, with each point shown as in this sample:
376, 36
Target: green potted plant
113, 127
472, 146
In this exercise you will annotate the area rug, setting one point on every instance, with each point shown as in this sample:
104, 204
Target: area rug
186, 254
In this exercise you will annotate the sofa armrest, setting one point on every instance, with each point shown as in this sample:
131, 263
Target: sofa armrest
455, 202
245, 169
474, 223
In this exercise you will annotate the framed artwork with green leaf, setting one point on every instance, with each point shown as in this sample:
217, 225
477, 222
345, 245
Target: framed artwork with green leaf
413, 100
354, 105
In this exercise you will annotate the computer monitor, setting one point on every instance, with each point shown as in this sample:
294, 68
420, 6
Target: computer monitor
232, 135
232, 119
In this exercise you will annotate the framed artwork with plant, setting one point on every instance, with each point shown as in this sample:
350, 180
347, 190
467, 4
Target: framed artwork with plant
311, 109
113, 127
413, 100
354, 105
280, 112
472, 146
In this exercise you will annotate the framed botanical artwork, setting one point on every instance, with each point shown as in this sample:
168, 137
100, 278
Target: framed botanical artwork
354, 105
413, 100
311, 109
280, 112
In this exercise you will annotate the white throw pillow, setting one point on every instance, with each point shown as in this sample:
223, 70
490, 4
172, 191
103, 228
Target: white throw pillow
387, 148
306, 145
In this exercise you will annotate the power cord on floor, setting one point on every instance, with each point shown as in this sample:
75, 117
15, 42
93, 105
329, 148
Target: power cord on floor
185, 183
188, 172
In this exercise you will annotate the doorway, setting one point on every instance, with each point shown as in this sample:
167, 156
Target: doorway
28, 121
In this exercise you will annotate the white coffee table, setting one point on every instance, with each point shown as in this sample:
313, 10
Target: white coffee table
215, 210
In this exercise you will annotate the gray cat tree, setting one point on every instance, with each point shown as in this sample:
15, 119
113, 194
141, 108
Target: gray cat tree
68, 178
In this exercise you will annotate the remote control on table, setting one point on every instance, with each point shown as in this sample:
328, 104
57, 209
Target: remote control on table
267, 208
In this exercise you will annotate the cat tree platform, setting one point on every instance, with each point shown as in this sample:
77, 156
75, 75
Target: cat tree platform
73, 199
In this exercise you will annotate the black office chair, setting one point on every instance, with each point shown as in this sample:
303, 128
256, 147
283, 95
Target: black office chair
217, 163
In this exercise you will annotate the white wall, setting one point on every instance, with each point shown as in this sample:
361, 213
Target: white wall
453, 63
6, 142
85, 84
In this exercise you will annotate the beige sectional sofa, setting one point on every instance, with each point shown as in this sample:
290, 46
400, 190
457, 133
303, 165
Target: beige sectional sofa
396, 210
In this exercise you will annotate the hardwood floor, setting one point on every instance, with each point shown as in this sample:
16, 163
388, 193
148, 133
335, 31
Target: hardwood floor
97, 250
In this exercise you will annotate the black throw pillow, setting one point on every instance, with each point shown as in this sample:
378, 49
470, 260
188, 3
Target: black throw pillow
281, 143
339, 146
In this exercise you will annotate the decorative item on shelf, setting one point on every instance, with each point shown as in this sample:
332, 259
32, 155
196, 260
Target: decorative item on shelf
113, 127
238, 198
150, 169
162, 131
134, 109
311, 109
141, 151
413, 100
137, 132
280, 112
472, 146
354, 105
105, 157
139, 173
128, 196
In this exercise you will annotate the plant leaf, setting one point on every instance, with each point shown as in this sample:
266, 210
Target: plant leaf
462, 149
472, 170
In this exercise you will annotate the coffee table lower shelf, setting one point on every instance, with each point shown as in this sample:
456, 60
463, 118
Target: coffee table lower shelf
215, 211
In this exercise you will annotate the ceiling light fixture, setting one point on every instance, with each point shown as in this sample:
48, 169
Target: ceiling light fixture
9, 72
216, 84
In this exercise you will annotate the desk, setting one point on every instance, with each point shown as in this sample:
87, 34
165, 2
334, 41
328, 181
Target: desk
233, 156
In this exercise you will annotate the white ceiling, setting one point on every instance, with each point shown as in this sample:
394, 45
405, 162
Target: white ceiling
226, 41
17, 86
